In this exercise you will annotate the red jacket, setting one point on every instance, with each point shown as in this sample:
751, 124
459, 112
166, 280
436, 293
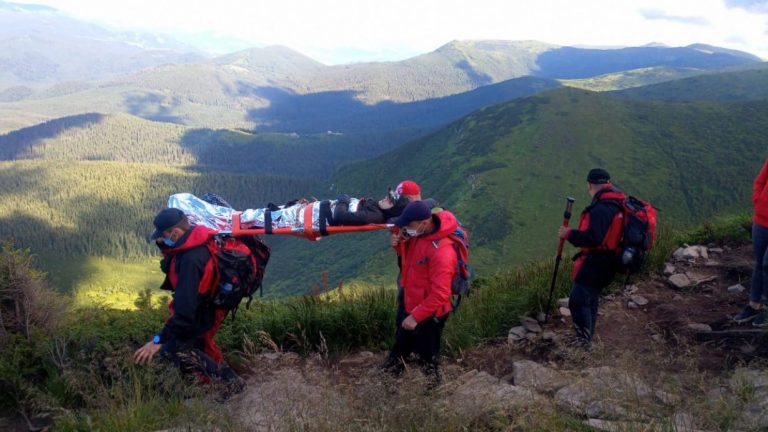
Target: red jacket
428, 268
191, 276
598, 236
760, 197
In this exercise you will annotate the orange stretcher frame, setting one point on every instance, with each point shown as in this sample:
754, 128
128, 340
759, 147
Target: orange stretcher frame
305, 231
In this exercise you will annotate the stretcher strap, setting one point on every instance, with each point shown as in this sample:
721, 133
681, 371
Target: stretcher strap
308, 232
268, 221
326, 217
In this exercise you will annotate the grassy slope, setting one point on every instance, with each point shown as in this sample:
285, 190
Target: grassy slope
506, 170
739, 85
632, 78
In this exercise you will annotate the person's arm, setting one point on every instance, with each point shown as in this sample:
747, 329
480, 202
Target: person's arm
182, 324
600, 219
442, 267
760, 181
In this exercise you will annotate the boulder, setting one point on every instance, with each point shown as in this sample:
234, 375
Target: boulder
530, 324
691, 253
669, 269
699, 327
639, 300
610, 393
563, 302
516, 334
736, 289
679, 281
678, 255
564, 311
530, 374
478, 392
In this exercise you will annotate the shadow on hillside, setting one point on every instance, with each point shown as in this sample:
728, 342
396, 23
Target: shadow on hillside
342, 111
19, 144
153, 106
36, 234
575, 63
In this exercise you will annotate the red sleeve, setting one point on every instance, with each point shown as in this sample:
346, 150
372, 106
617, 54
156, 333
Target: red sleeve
442, 266
760, 181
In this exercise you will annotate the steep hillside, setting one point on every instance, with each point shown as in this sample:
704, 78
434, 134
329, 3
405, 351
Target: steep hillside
742, 85
506, 170
68, 211
126, 138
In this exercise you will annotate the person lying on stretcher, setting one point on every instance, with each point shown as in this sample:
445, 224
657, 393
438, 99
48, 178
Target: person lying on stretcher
370, 211
215, 213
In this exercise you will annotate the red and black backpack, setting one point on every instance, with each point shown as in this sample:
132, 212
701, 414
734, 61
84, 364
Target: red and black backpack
240, 263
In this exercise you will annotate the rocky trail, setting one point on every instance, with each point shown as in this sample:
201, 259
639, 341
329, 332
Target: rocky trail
668, 357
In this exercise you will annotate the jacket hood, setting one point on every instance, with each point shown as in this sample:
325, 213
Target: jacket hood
448, 225
195, 237
609, 194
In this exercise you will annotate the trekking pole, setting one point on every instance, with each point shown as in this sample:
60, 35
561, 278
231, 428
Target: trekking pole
566, 222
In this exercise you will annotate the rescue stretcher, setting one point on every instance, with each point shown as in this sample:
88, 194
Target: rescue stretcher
311, 220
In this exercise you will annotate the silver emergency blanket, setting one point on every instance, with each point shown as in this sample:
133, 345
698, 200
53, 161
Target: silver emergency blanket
219, 218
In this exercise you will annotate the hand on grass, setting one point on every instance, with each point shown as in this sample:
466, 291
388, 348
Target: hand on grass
145, 354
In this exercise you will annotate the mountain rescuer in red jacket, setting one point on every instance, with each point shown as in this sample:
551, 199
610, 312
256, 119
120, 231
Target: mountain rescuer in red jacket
187, 336
428, 261
758, 297
598, 236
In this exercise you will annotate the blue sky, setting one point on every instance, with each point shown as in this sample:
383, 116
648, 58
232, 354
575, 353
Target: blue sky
343, 31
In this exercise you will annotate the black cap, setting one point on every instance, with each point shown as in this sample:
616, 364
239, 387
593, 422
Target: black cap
167, 218
414, 211
598, 176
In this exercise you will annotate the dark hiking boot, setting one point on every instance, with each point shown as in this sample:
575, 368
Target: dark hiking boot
230, 388
393, 366
748, 314
760, 320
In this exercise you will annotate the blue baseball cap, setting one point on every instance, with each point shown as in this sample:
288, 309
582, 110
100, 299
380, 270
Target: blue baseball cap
414, 211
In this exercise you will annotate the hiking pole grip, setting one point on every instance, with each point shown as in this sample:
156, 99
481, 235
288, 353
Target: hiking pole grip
566, 222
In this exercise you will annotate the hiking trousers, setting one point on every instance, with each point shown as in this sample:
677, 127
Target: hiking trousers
759, 291
424, 341
190, 358
583, 305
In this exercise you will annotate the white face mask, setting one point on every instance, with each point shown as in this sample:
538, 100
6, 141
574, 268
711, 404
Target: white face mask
412, 232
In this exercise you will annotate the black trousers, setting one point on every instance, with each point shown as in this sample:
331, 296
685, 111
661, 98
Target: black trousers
583, 304
424, 341
191, 359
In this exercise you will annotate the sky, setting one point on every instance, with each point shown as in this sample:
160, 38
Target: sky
345, 31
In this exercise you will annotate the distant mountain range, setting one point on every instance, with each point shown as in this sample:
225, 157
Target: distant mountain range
52, 65
41, 46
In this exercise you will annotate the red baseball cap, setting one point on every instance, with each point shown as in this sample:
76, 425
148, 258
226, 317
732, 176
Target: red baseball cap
408, 187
